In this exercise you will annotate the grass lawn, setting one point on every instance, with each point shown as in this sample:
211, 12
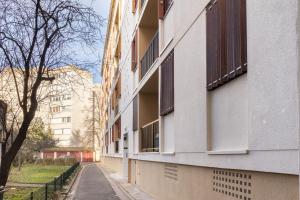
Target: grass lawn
18, 193
36, 173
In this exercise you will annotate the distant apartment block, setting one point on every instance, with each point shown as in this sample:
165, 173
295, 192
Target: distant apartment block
200, 99
65, 104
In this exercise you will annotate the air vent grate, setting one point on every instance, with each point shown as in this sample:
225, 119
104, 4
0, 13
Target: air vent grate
171, 171
232, 183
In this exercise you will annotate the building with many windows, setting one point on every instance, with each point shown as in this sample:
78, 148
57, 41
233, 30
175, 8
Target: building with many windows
68, 106
65, 104
201, 98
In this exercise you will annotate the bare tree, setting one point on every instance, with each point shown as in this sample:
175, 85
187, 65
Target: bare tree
36, 37
92, 120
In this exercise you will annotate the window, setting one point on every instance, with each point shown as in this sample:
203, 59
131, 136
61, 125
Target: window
66, 108
55, 109
135, 114
167, 85
58, 131
134, 53
226, 41
60, 97
66, 97
66, 119
67, 131
163, 6
116, 130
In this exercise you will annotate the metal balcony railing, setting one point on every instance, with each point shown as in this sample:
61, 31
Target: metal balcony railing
150, 55
150, 137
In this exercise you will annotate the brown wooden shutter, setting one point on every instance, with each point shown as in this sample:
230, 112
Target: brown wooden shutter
134, 53
119, 128
167, 85
236, 37
119, 88
215, 44
226, 41
113, 133
161, 9
106, 139
134, 5
135, 114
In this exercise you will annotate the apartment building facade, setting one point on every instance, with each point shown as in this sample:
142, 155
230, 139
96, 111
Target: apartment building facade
65, 104
69, 106
202, 98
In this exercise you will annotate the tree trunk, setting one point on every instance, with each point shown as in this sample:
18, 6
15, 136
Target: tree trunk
19, 161
4, 171
10, 155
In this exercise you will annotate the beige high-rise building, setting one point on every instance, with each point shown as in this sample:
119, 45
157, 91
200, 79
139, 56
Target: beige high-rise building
202, 98
65, 105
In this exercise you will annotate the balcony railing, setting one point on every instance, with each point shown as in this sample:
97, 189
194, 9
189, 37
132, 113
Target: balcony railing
150, 55
150, 137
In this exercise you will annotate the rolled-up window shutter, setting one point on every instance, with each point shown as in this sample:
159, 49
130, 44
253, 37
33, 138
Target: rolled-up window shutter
113, 133
119, 128
226, 41
134, 5
135, 114
134, 54
167, 85
213, 44
106, 139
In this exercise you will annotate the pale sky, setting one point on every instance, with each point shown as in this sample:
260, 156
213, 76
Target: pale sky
102, 8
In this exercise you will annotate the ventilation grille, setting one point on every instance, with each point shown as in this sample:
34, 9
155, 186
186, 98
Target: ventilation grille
171, 171
232, 183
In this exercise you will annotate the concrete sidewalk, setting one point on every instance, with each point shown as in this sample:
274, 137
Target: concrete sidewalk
132, 191
91, 184
97, 183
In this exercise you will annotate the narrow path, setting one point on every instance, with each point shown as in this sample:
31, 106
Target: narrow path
93, 185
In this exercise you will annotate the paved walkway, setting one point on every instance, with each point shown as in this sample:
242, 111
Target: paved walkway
92, 185
132, 191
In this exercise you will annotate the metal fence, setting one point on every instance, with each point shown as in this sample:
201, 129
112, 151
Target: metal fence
50, 189
150, 137
150, 55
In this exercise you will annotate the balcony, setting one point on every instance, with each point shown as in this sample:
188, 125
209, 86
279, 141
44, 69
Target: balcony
150, 55
150, 137
148, 42
148, 115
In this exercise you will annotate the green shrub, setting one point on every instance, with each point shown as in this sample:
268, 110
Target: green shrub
57, 161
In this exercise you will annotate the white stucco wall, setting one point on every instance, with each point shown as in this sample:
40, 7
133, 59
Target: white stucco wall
264, 121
